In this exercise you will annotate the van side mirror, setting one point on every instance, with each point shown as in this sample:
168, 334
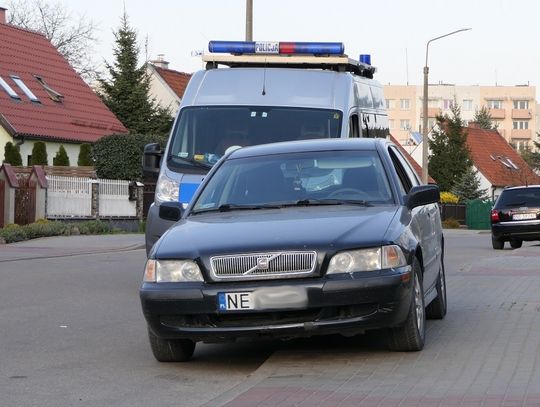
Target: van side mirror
422, 195
170, 211
151, 159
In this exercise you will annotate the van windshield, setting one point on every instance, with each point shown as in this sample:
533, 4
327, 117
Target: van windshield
203, 133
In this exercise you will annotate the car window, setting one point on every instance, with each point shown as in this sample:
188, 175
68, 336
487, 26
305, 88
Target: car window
519, 197
289, 178
404, 181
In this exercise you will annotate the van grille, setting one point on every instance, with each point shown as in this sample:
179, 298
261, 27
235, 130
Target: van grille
263, 265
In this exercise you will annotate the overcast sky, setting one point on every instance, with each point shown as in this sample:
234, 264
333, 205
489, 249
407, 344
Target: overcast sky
502, 47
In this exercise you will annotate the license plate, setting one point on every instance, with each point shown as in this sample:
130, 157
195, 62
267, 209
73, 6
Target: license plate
239, 301
524, 216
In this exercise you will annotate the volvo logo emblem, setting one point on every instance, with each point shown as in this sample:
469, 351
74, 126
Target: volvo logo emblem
262, 263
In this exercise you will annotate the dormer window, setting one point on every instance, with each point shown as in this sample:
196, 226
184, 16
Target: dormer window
18, 81
54, 95
9, 90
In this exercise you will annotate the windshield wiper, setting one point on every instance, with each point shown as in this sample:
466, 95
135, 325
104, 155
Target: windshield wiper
314, 202
191, 161
235, 207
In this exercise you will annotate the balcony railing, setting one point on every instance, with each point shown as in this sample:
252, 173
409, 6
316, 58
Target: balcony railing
521, 133
521, 114
497, 113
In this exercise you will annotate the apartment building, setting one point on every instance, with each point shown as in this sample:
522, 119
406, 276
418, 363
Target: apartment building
512, 108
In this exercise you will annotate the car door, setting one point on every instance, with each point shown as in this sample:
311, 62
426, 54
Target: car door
424, 220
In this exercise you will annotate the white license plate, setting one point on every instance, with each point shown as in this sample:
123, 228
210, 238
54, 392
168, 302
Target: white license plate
523, 216
235, 301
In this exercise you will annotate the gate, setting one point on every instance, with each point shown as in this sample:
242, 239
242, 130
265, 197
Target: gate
478, 214
25, 202
2, 198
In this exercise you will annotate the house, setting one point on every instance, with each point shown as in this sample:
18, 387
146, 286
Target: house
43, 99
167, 85
498, 164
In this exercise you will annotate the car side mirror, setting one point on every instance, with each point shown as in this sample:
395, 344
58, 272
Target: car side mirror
422, 195
170, 211
151, 159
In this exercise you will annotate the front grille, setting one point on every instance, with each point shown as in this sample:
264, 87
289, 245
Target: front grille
263, 265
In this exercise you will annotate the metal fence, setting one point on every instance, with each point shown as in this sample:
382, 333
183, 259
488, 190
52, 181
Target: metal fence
114, 198
69, 197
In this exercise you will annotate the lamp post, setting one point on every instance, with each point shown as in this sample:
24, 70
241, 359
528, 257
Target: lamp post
425, 131
249, 20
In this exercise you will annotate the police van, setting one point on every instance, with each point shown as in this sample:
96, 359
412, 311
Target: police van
255, 93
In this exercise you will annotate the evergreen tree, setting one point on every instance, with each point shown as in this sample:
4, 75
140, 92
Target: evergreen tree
61, 158
450, 157
483, 118
467, 187
85, 155
532, 158
127, 93
12, 155
39, 154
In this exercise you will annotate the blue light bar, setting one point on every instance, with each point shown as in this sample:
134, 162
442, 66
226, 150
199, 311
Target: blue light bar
365, 59
272, 47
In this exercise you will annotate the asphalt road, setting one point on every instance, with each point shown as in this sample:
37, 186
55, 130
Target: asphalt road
72, 334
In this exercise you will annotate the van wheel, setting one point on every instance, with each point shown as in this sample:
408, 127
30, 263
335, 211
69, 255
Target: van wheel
497, 244
516, 243
411, 336
437, 308
171, 350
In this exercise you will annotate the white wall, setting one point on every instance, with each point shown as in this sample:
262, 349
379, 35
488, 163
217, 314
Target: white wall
72, 151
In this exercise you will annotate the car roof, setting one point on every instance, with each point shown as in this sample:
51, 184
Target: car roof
308, 145
520, 187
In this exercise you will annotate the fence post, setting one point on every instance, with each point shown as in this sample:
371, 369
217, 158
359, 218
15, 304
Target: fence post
95, 199
139, 196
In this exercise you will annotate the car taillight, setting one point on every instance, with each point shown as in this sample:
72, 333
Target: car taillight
494, 215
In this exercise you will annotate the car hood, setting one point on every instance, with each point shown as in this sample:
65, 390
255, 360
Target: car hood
320, 228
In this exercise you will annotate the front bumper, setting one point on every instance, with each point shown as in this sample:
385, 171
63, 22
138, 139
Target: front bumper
347, 304
524, 230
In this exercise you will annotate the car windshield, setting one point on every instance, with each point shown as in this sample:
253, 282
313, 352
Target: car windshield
203, 134
299, 179
519, 197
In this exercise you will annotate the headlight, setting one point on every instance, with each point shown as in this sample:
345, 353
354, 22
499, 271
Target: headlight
367, 260
167, 189
171, 271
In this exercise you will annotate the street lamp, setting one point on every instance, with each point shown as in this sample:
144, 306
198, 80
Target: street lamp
425, 130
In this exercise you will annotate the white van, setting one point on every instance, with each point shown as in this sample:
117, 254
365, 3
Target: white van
255, 93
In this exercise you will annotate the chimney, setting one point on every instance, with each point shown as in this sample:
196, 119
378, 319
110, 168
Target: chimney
3, 15
160, 62
474, 125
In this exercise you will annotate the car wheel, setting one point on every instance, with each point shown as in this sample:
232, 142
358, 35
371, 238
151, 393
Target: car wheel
516, 243
410, 336
497, 244
437, 308
171, 350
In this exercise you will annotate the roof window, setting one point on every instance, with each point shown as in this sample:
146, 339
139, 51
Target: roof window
54, 95
18, 81
9, 90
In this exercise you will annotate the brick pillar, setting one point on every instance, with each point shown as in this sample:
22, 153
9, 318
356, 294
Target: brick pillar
139, 194
95, 199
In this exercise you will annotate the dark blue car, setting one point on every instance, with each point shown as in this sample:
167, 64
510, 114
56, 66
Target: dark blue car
299, 239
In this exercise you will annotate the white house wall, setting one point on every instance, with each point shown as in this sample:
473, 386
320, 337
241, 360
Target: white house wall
164, 95
72, 151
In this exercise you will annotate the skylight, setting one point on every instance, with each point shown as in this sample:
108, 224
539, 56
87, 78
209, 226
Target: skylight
54, 95
9, 90
25, 89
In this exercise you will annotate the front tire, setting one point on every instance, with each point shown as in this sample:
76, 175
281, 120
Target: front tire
411, 336
437, 308
171, 350
497, 244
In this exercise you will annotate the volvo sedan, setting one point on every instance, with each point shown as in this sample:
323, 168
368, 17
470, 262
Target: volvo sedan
299, 239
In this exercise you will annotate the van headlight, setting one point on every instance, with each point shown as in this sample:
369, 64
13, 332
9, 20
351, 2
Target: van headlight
171, 271
373, 259
167, 189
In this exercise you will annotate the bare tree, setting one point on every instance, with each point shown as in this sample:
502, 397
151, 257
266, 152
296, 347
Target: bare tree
73, 37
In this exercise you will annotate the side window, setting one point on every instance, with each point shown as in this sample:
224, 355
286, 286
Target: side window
411, 173
404, 180
354, 131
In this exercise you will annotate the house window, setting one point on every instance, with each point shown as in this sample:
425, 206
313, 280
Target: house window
433, 103
448, 103
9, 90
54, 95
22, 86
391, 123
390, 104
520, 125
521, 104
405, 124
520, 144
467, 104
404, 104
495, 104
431, 123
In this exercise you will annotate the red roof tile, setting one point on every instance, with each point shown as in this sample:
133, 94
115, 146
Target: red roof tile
177, 81
493, 157
80, 117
